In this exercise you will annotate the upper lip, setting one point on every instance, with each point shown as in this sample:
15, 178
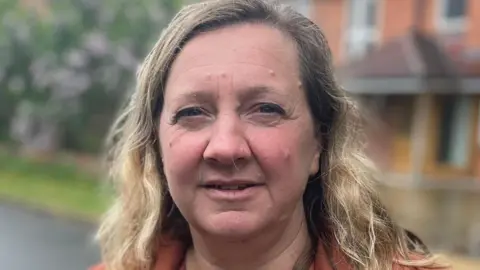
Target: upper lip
233, 182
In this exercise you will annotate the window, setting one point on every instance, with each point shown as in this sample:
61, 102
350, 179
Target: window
401, 109
452, 15
362, 31
455, 130
371, 14
478, 126
455, 9
301, 6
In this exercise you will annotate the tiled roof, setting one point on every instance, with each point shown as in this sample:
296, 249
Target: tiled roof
412, 55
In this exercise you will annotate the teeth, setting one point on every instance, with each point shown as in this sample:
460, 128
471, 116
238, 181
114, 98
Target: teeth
238, 187
230, 187
235, 187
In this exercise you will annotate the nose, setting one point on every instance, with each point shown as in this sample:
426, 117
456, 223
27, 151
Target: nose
227, 145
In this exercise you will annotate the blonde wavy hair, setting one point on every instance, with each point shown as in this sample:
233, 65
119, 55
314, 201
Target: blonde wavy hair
341, 206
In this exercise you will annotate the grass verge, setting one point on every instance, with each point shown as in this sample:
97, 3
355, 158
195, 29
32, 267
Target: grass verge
55, 187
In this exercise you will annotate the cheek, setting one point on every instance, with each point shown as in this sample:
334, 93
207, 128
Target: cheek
182, 153
284, 155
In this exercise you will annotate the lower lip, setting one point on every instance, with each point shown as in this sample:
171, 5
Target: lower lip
232, 195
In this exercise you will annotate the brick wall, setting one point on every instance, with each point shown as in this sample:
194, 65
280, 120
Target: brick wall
473, 24
396, 18
400, 16
329, 15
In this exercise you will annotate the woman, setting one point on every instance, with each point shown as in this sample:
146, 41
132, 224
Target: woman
238, 150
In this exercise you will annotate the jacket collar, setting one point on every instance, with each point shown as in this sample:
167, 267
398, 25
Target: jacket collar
172, 254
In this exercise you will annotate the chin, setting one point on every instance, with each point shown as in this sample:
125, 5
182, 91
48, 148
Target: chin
233, 225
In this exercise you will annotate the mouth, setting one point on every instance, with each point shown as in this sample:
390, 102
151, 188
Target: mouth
227, 187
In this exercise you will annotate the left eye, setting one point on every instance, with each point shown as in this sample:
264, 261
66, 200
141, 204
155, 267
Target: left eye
270, 108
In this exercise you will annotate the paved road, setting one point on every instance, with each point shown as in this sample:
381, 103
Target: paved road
33, 241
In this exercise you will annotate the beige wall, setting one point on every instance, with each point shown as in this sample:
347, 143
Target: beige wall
444, 219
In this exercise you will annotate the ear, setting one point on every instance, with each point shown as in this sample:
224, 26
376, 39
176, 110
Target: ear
315, 165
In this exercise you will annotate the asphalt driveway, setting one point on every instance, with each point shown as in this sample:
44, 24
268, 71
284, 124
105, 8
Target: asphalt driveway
31, 240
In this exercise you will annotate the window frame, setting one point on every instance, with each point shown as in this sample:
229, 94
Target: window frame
358, 34
450, 25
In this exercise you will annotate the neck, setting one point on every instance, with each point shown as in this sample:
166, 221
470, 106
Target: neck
274, 248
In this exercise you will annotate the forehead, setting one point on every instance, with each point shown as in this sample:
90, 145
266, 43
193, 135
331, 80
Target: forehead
252, 44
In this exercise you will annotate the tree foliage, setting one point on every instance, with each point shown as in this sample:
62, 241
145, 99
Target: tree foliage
65, 68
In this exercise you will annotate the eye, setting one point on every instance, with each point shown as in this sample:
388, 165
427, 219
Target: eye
270, 108
187, 112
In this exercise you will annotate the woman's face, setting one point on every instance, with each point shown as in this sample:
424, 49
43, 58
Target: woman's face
236, 135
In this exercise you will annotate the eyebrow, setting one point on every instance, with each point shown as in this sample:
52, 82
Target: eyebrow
200, 96
205, 96
254, 92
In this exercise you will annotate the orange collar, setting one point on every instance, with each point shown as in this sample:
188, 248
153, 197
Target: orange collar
171, 256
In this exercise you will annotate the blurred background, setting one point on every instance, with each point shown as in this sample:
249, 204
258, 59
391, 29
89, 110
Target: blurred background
67, 65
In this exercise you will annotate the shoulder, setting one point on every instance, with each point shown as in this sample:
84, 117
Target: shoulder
97, 267
405, 267
433, 264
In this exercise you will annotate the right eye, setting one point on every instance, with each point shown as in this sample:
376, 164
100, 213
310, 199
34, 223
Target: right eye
187, 112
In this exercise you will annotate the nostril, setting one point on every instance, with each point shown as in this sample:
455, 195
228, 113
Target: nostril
227, 148
231, 165
235, 164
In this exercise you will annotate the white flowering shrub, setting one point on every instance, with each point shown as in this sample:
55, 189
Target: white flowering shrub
64, 71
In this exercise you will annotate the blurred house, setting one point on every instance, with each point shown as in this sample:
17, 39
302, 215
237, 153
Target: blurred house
415, 66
